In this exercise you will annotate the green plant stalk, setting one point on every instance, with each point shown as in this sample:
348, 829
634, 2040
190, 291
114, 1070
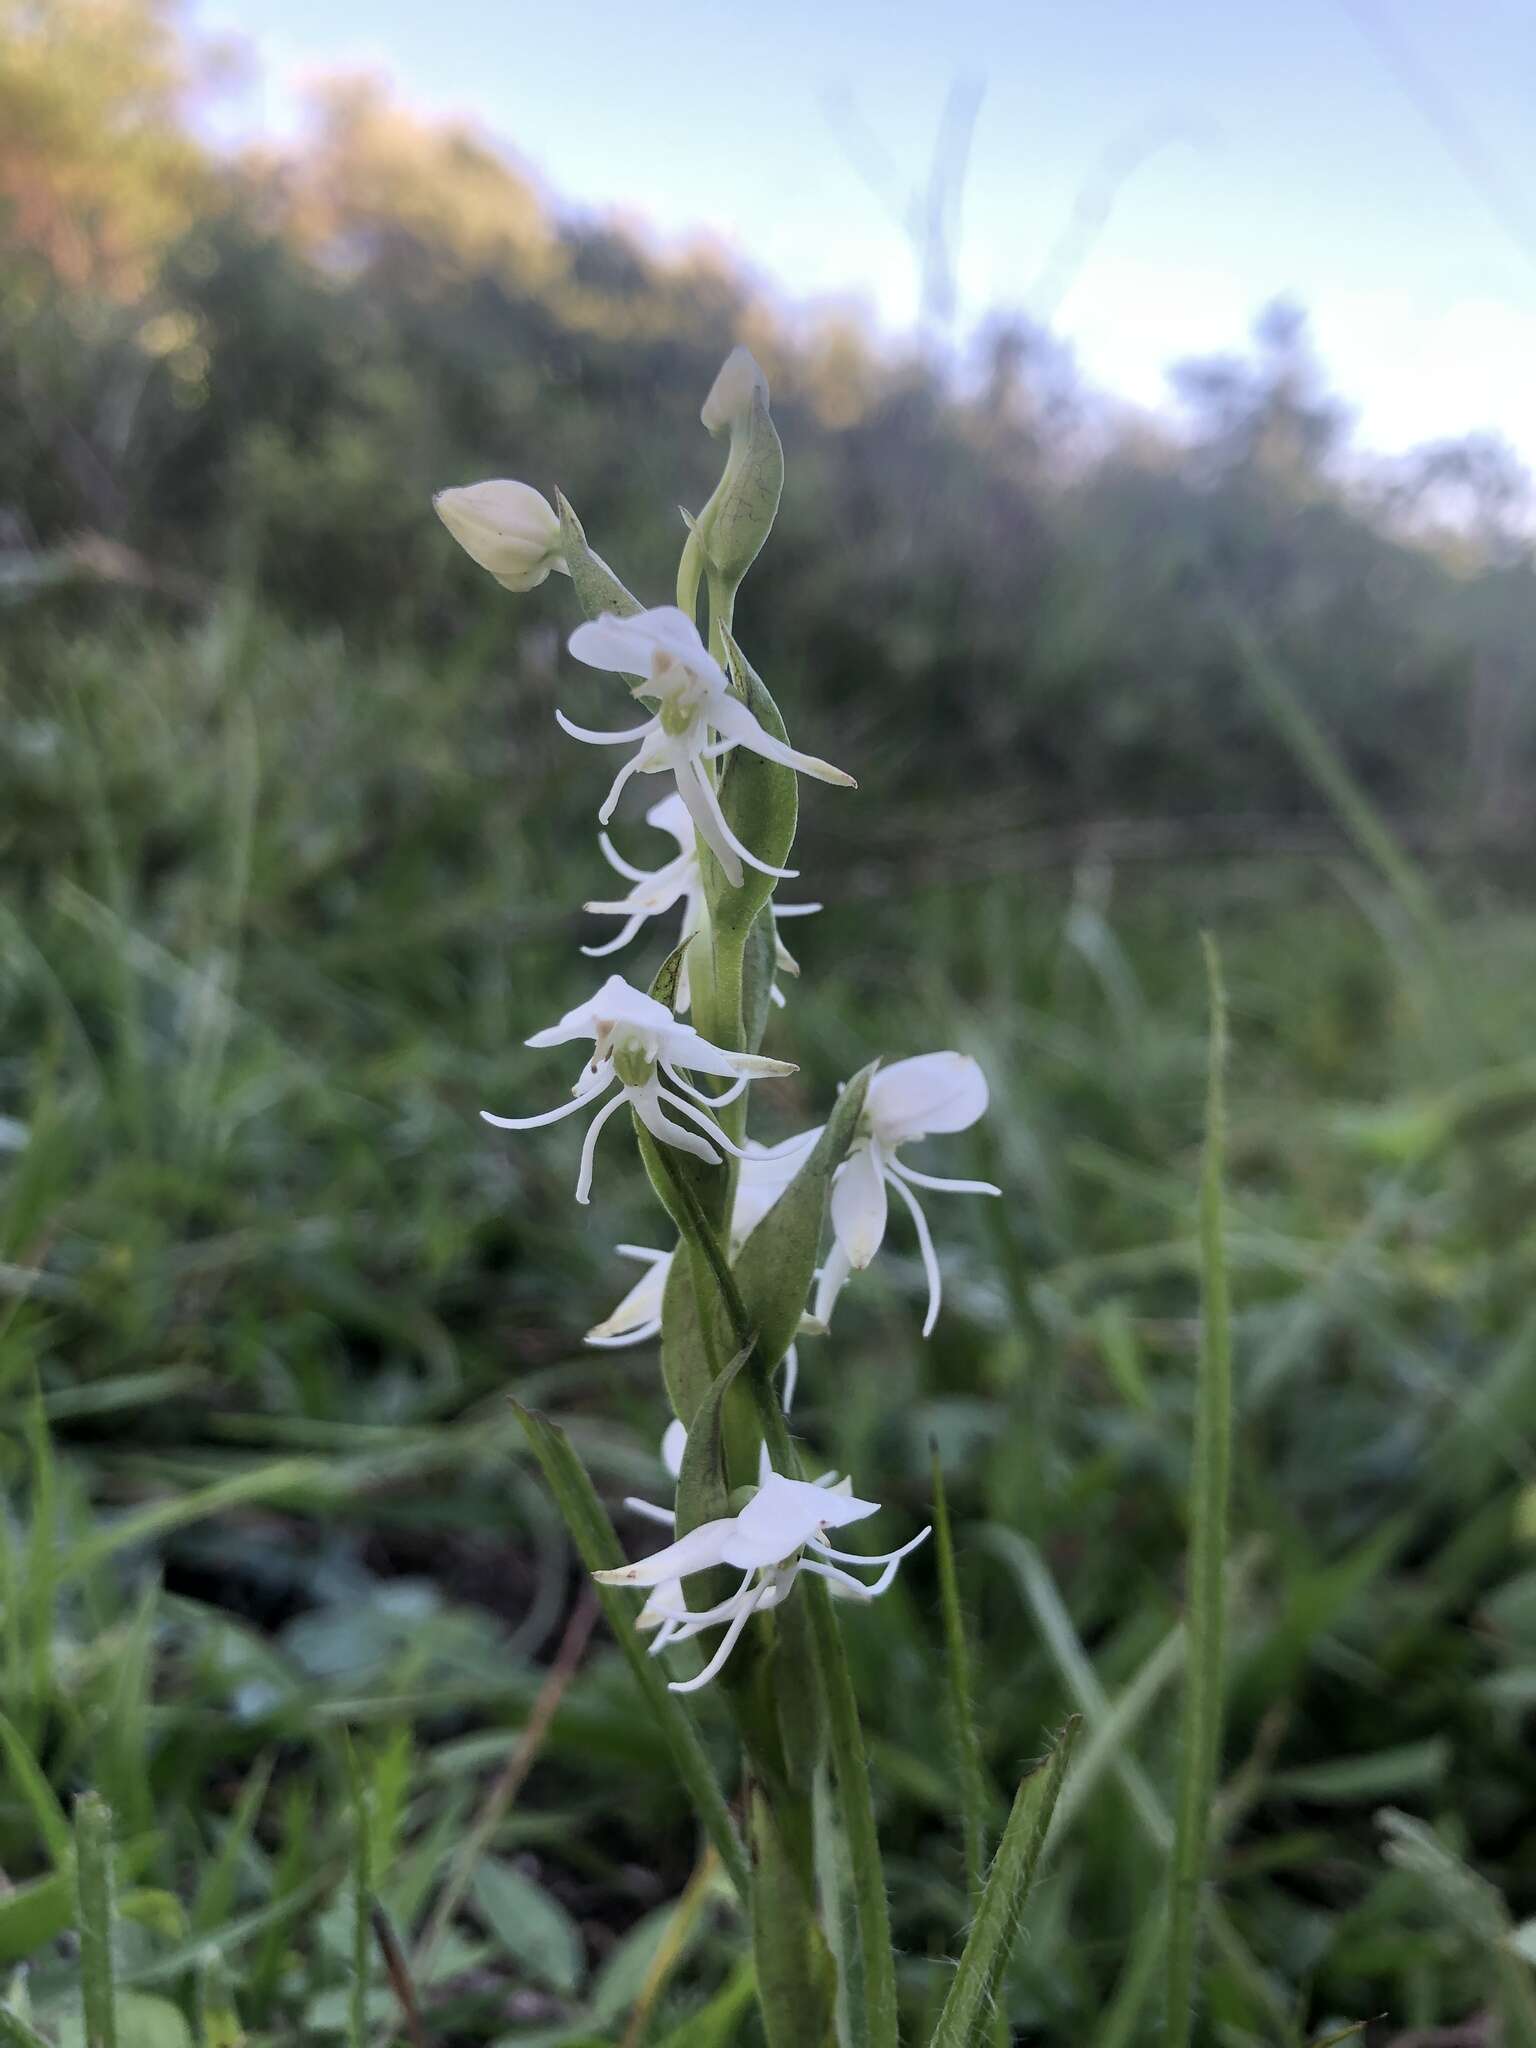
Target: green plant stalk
93, 1892
845, 1736
1210, 1486
974, 1801
969, 2010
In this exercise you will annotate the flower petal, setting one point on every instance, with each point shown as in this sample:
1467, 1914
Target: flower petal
937, 1091
731, 717
696, 1552
859, 1206
783, 1515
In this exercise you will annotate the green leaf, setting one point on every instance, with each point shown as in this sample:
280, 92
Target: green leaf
834, 1881
597, 589
739, 516
719, 2024
684, 1361
966, 2019
143, 2021
1346, 1780
599, 1550
702, 1488
37, 1795
534, 1929
970, 1772
775, 1265
758, 967
877, 2008
15, 2033
796, 1985
669, 974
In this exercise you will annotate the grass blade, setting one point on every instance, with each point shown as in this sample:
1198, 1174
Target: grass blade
975, 1798
15, 2033
599, 1550
1210, 1486
37, 1794
362, 1899
967, 2017
93, 1880
850, 1770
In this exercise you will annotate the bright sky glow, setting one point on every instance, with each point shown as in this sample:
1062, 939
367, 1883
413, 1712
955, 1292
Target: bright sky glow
1369, 158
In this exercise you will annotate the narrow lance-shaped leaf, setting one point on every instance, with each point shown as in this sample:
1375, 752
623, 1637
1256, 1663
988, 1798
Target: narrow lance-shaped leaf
684, 1362
775, 1266
966, 2020
970, 1771
702, 1491
599, 1550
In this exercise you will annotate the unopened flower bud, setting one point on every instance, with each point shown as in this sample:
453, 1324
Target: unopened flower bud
730, 396
737, 520
507, 528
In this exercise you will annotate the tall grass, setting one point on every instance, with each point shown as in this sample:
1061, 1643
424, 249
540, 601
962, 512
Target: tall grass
264, 1291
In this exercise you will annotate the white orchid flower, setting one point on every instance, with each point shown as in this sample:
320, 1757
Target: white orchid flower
679, 880
637, 1317
635, 1041
765, 1172
767, 1542
507, 528
916, 1098
697, 720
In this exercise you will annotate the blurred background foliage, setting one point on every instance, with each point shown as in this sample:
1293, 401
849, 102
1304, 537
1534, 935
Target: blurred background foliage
292, 854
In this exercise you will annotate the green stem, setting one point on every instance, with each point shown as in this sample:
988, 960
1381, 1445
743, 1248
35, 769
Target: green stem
93, 1881
849, 1760
1210, 1485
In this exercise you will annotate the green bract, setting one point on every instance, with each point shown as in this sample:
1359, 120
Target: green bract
597, 589
739, 516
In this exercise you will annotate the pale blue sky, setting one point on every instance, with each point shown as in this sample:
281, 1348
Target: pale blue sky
1403, 217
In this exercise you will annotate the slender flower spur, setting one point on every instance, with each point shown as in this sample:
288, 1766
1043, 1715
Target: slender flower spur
917, 1098
679, 880
696, 721
635, 1041
767, 1542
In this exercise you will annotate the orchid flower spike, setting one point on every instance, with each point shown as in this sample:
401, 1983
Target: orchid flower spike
635, 1041
768, 1543
916, 1098
507, 528
679, 880
696, 720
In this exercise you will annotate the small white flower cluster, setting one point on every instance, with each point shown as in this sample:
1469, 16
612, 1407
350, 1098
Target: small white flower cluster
643, 1053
